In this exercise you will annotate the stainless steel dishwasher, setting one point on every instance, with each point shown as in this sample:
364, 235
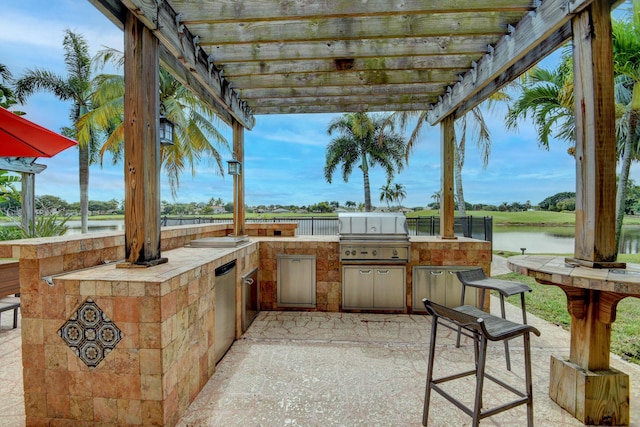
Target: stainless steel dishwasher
225, 309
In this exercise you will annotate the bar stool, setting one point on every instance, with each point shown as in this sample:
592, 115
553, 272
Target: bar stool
482, 327
477, 279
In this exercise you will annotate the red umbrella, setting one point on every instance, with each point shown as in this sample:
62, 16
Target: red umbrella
20, 137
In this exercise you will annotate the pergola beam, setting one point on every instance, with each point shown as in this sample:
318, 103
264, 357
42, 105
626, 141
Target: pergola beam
182, 56
513, 54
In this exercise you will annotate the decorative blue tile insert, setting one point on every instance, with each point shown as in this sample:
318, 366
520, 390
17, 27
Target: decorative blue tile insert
90, 333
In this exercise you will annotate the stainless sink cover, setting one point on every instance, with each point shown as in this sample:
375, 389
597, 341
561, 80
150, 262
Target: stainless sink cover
219, 242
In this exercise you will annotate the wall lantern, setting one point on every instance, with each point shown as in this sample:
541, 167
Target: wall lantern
166, 127
235, 167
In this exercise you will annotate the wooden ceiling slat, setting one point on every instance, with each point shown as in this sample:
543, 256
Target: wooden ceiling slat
333, 108
457, 62
349, 100
330, 91
258, 10
345, 78
437, 24
366, 48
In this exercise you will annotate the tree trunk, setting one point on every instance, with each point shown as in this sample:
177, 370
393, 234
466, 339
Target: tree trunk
627, 158
83, 163
458, 163
367, 191
367, 188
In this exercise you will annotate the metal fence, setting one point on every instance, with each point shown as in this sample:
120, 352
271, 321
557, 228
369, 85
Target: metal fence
468, 226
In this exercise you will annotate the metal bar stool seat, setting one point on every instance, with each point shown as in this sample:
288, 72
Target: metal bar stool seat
506, 288
482, 327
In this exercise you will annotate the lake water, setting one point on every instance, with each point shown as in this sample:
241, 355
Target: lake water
559, 240
96, 226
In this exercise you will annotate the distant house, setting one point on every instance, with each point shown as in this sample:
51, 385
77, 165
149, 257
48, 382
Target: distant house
281, 210
218, 210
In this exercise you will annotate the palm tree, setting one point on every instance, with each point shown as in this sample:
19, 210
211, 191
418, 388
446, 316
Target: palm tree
363, 142
7, 97
547, 95
626, 53
195, 133
76, 87
436, 196
476, 127
399, 193
387, 194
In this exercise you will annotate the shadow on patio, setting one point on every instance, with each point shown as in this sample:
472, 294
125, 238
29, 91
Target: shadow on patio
342, 369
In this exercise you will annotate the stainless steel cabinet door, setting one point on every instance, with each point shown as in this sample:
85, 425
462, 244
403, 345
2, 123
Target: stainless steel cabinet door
389, 288
357, 287
440, 285
296, 280
373, 287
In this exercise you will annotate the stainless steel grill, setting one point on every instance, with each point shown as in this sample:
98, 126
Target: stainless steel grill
380, 238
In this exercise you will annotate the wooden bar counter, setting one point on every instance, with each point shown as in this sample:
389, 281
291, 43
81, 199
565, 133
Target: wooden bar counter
585, 384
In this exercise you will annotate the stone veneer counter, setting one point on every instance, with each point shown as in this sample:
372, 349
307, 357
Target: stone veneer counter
134, 346
126, 346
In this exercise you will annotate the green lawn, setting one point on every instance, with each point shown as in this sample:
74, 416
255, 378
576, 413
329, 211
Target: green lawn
526, 218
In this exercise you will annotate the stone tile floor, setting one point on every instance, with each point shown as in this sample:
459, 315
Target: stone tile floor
343, 369
11, 391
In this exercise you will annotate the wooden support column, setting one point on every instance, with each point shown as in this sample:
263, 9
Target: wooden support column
585, 385
238, 182
595, 137
141, 148
28, 195
447, 201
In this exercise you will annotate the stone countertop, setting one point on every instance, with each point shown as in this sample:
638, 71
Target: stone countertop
304, 238
180, 260
555, 270
184, 259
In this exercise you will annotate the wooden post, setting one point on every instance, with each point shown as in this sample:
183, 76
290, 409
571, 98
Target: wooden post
141, 149
238, 182
595, 137
28, 199
447, 202
585, 385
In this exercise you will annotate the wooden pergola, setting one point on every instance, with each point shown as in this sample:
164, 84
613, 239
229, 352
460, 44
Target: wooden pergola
255, 57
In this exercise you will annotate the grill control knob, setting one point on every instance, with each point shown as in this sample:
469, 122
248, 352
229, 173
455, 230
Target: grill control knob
375, 252
395, 252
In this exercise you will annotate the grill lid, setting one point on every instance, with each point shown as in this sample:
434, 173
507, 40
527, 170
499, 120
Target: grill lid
372, 226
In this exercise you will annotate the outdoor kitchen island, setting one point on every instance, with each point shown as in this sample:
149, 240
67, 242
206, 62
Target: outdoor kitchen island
152, 330
424, 252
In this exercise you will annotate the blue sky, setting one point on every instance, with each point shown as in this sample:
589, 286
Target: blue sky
284, 154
